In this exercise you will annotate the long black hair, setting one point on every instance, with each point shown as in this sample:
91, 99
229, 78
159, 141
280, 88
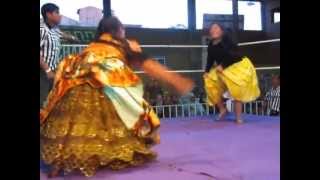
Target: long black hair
112, 25
226, 37
109, 25
226, 41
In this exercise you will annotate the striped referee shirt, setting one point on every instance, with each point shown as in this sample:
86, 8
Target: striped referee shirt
50, 45
273, 99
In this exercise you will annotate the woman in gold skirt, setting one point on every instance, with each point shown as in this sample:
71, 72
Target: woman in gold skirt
227, 71
95, 114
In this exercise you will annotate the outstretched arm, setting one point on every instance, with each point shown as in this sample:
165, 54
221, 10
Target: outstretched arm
157, 71
68, 37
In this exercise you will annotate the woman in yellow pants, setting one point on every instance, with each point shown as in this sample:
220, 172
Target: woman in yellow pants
225, 71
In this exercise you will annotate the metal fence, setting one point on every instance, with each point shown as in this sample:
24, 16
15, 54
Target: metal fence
203, 109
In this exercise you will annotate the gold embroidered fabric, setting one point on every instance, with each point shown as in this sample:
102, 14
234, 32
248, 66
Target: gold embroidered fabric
84, 132
80, 125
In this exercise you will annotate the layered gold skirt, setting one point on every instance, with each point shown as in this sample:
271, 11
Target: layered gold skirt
239, 79
84, 132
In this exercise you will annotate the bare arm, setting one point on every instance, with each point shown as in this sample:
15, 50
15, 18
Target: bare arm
43, 65
156, 70
68, 37
265, 100
46, 68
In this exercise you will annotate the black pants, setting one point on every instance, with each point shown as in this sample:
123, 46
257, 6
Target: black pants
45, 87
274, 113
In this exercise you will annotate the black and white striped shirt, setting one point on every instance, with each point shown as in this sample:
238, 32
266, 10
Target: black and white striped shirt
50, 45
273, 99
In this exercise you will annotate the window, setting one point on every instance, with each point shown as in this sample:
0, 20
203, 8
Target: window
211, 7
250, 10
276, 15
86, 13
152, 14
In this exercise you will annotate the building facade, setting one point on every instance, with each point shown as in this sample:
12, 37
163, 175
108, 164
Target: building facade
90, 16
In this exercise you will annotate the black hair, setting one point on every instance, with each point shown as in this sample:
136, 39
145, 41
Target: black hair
227, 41
48, 8
112, 25
220, 25
109, 25
226, 31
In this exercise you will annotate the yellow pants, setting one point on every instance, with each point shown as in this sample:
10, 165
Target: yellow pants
240, 79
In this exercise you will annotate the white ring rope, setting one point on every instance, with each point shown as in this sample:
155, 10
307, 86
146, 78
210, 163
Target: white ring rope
184, 46
259, 42
193, 46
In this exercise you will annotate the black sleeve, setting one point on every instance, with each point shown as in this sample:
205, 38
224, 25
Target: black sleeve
209, 60
233, 52
230, 54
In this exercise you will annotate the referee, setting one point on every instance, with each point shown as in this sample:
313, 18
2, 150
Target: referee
50, 37
272, 97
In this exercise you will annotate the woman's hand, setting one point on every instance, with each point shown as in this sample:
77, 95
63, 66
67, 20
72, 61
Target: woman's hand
205, 75
219, 69
134, 46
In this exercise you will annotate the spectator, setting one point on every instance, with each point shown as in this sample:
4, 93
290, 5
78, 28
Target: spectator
167, 99
228, 101
202, 97
147, 97
272, 97
159, 103
155, 89
198, 107
167, 102
185, 101
174, 99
